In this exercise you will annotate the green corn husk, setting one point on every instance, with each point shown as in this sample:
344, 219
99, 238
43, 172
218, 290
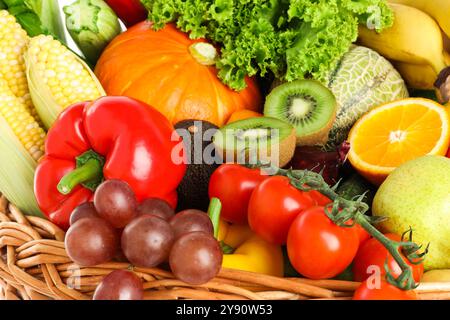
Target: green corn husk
17, 169
37, 16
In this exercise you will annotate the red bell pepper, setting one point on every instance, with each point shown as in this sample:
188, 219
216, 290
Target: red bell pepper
111, 138
129, 11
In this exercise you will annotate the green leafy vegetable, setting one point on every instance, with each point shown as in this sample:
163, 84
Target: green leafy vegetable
356, 186
37, 16
293, 39
92, 25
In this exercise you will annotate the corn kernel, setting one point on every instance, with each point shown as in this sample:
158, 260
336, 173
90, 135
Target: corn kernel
13, 44
62, 72
21, 122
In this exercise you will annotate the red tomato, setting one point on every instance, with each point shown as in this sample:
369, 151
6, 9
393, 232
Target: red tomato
129, 11
373, 254
385, 291
318, 248
448, 153
320, 199
233, 184
362, 234
274, 204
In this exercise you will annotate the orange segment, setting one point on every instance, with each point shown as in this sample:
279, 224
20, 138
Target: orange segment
395, 133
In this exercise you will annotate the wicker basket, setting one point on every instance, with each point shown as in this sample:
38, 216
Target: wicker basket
34, 266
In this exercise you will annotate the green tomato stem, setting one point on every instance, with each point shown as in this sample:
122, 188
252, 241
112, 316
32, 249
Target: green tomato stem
343, 211
392, 248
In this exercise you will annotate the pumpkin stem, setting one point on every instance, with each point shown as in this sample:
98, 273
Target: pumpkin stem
204, 53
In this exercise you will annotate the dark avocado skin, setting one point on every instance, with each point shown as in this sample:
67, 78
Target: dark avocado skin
193, 189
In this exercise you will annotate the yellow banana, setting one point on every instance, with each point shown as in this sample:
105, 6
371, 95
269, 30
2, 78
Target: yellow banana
419, 76
438, 9
446, 43
415, 38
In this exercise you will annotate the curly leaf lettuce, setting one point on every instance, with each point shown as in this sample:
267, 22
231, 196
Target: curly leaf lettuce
293, 39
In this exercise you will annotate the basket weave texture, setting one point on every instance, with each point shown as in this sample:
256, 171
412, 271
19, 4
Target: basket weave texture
34, 266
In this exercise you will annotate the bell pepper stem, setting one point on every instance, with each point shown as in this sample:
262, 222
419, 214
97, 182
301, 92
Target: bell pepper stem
226, 249
91, 170
214, 209
215, 206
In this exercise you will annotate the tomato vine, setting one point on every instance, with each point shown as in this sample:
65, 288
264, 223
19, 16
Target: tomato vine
347, 213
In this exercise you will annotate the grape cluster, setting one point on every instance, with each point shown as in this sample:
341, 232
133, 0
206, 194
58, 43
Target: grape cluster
147, 234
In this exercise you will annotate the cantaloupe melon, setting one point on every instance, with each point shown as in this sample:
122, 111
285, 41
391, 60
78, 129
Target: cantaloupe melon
362, 80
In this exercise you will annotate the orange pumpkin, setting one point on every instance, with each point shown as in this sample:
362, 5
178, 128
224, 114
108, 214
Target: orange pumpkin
172, 73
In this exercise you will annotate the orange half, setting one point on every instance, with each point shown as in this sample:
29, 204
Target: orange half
395, 133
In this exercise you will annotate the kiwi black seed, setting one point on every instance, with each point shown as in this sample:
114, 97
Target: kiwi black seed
307, 105
193, 189
264, 140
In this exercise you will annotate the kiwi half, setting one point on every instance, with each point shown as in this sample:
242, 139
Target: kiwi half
308, 106
263, 139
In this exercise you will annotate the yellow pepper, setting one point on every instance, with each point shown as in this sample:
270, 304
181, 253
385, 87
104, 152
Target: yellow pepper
250, 252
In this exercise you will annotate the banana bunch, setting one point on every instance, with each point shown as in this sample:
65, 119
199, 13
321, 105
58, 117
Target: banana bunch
439, 10
418, 43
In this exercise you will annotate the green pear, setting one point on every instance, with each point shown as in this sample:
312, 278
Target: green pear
417, 195
436, 276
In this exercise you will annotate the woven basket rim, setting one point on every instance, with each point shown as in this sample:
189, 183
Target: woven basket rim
34, 266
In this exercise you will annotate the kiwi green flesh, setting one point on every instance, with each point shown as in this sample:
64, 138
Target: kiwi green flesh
252, 133
306, 104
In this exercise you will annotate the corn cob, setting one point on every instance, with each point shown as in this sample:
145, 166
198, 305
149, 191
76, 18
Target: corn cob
57, 78
13, 44
24, 126
21, 145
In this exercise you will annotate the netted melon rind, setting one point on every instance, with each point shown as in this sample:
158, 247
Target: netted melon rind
362, 80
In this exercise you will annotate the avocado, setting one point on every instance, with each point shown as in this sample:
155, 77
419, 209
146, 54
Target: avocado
200, 153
